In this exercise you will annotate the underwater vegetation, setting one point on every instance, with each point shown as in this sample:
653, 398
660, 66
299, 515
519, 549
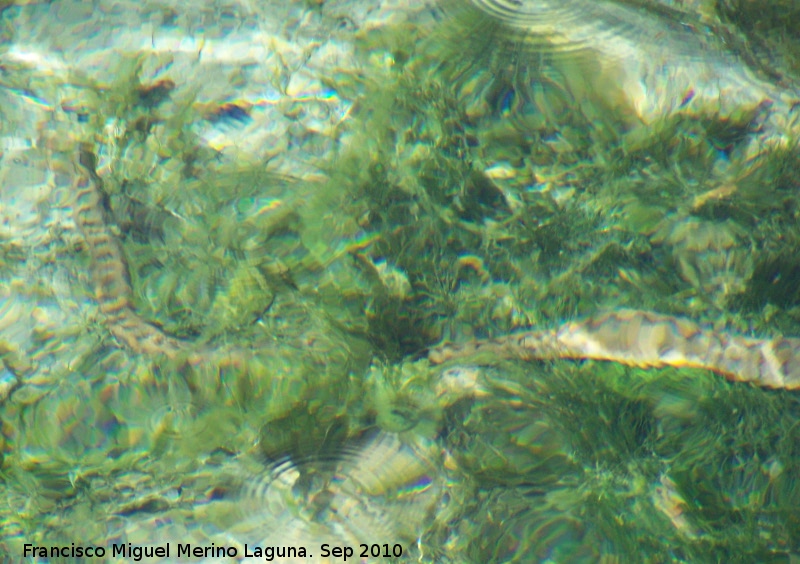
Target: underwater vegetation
254, 351
557, 207
772, 33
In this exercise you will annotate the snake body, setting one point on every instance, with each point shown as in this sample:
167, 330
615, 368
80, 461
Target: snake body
637, 338
110, 276
646, 339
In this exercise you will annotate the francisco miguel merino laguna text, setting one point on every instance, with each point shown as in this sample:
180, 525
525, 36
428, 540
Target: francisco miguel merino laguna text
137, 553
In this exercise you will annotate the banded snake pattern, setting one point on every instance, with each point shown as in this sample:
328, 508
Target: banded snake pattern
631, 337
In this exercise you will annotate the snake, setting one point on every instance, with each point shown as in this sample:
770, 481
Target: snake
631, 337
647, 340
111, 276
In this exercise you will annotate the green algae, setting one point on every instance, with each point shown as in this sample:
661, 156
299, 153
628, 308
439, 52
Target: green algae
669, 465
572, 462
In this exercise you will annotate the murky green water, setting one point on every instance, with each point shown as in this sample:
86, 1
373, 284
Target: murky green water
232, 231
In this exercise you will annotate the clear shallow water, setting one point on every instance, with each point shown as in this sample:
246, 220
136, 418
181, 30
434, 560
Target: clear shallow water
307, 196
